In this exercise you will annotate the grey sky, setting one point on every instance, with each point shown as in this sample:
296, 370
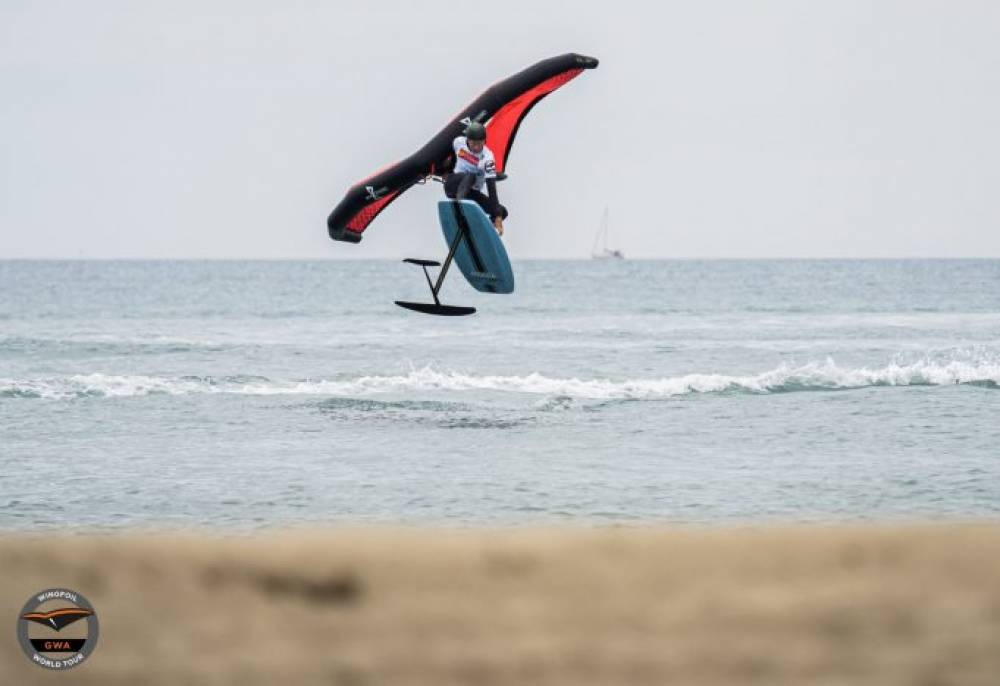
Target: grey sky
713, 129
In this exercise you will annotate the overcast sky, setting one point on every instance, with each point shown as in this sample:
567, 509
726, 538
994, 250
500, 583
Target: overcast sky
711, 129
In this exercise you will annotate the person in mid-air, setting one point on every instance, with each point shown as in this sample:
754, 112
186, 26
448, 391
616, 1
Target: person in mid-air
474, 168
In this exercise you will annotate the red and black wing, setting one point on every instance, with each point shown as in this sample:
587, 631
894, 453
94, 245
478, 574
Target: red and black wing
502, 107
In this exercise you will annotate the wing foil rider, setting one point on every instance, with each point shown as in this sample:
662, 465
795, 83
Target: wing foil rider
475, 167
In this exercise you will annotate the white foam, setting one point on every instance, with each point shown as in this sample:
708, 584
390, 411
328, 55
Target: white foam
813, 376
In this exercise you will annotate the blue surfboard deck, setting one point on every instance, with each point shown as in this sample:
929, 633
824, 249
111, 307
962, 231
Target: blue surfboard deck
481, 257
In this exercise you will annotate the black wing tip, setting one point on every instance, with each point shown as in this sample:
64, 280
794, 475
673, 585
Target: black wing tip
586, 62
346, 236
336, 225
342, 234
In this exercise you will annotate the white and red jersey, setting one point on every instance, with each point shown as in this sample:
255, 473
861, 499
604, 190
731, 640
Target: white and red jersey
482, 164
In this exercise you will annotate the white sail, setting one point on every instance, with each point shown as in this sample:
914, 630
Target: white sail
602, 239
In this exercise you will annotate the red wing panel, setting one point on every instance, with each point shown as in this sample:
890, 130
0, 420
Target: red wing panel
502, 128
363, 218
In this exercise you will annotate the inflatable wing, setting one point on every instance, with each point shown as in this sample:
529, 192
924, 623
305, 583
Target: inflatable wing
501, 107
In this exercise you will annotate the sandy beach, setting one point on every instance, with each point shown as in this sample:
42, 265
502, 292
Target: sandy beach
902, 604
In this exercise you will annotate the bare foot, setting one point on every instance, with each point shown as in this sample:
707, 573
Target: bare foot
498, 223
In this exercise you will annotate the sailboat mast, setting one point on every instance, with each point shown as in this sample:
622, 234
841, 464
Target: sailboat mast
604, 228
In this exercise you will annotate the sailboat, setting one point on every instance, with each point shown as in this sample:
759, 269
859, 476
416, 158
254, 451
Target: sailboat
604, 252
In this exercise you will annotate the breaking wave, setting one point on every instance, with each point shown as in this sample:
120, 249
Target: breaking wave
783, 379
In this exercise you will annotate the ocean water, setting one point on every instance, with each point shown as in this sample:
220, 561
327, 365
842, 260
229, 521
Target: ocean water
257, 394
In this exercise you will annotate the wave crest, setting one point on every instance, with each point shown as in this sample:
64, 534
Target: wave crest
783, 379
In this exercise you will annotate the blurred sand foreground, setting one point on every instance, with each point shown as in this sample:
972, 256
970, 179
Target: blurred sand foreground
802, 605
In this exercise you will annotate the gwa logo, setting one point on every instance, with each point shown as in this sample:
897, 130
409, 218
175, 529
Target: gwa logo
41, 623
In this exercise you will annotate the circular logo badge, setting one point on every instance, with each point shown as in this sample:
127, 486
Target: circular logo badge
57, 628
